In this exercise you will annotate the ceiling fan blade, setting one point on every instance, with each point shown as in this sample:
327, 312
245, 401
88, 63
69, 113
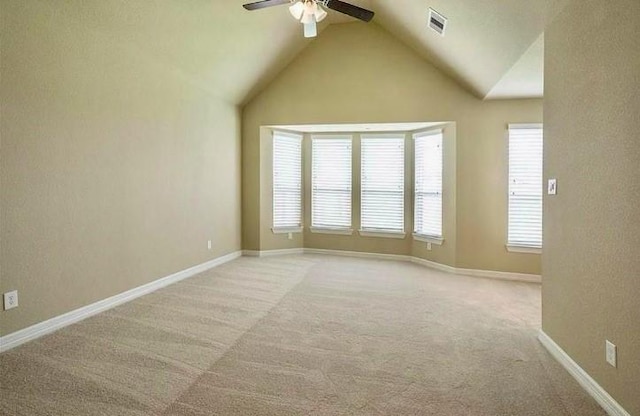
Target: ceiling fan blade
350, 9
265, 3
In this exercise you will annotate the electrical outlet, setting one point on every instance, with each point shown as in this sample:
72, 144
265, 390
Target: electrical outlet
10, 300
611, 353
552, 187
429, 247
290, 236
209, 244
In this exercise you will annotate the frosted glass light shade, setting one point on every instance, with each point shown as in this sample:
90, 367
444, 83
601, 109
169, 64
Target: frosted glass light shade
310, 29
320, 14
297, 10
310, 10
307, 18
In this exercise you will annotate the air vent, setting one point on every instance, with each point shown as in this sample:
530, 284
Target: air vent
437, 22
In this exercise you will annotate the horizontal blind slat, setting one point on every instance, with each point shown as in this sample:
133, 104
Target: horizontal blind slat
287, 181
382, 183
331, 182
428, 184
525, 186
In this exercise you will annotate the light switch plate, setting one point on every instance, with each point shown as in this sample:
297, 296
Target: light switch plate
552, 188
611, 353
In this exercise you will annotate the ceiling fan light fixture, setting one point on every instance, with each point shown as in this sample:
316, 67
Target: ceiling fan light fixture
320, 14
297, 10
310, 10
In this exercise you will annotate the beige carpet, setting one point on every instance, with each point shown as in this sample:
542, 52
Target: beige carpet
302, 335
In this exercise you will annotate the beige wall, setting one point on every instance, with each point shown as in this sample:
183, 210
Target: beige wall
591, 263
115, 171
357, 73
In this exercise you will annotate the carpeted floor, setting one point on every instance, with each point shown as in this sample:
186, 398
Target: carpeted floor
302, 335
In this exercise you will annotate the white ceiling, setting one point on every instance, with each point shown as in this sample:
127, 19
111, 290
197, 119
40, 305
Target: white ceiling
493, 48
525, 78
484, 40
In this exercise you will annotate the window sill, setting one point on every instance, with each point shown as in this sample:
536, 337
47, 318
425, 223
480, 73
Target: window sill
287, 230
524, 249
428, 239
383, 234
336, 231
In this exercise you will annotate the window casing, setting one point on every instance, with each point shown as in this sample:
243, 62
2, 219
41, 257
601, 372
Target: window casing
331, 182
287, 182
382, 184
428, 171
525, 186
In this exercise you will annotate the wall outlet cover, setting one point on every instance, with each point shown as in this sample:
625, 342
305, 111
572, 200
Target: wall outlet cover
10, 300
552, 188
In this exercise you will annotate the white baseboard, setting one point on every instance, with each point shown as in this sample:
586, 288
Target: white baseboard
14, 339
600, 395
271, 253
489, 274
360, 254
519, 277
492, 274
433, 265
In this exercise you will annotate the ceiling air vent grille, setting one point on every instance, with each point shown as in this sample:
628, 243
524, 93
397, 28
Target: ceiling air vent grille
437, 22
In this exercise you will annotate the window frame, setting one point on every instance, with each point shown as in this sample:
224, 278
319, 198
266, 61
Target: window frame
382, 232
287, 229
418, 235
514, 246
327, 229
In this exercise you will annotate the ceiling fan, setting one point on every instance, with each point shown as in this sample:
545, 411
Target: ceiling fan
310, 12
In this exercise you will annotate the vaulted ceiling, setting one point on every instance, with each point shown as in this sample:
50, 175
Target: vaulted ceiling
493, 48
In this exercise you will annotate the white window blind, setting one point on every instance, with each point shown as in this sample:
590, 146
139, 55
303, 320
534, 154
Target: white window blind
525, 186
287, 181
331, 182
428, 184
382, 193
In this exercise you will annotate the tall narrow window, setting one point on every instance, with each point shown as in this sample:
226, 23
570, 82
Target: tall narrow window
331, 183
525, 186
428, 184
287, 182
382, 193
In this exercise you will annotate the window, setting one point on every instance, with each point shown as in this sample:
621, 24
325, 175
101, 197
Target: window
525, 187
382, 193
287, 182
331, 182
428, 184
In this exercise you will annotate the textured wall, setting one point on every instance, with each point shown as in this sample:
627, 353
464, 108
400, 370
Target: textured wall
357, 73
115, 170
591, 262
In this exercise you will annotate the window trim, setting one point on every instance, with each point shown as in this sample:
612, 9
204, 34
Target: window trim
287, 230
379, 233
328, 230
428, 239
512, 248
